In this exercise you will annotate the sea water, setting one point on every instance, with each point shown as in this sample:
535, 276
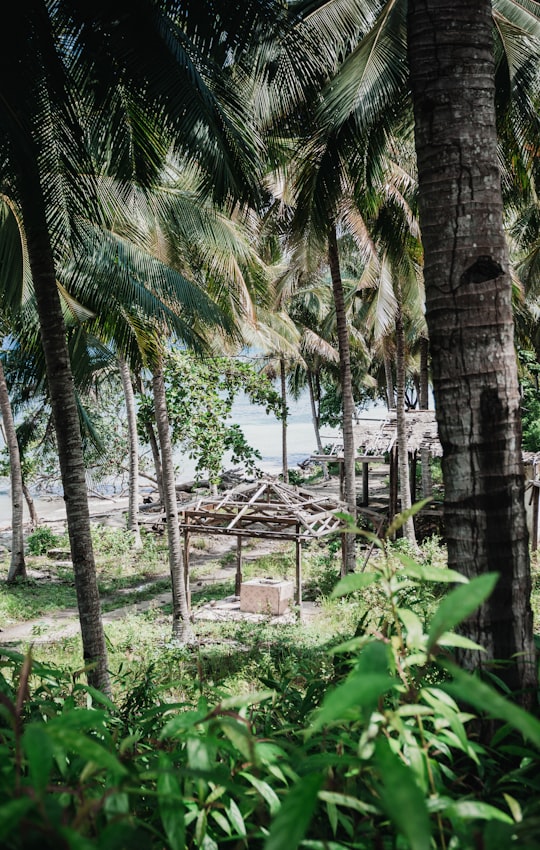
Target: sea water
262, 431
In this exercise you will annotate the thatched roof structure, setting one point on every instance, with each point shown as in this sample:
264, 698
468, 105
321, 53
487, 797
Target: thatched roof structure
377, 436
265, 508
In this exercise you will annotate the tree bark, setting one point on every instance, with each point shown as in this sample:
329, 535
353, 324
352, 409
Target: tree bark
347, 400
182, 631
401, 427
389, 380
283, 383
315, 420
133, 506
34, 519
68, 435
17, 565
469, 316
423, 398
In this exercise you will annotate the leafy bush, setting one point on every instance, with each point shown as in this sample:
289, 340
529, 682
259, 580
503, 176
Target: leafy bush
41, 540
386, 757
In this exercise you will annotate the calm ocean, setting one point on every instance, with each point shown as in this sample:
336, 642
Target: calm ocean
262, 431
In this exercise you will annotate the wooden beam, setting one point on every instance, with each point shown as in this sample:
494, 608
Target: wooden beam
238, 576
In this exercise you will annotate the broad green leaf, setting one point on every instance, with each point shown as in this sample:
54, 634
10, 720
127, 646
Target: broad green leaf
347, 802
400, 519
352, 582
292, 820
414, 626
200, 753
323, 845
426, 572
265, 790
239, 735
515, 808
472, 810
350, 645
222, 821
361, 689
208, 843
453, 639
470, 689
87, 748
40, 755
170, 803
459, 604
200, 826
183, 721
242, 700
236, 819
402, 799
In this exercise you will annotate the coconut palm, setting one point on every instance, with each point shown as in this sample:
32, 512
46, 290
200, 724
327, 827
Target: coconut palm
469, 313
365, 101
136, 80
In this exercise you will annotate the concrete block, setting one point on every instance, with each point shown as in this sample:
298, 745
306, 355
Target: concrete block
266, 596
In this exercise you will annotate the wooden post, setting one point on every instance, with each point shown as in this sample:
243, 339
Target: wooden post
186, 562
393, 495
534, 536
238, 577
412, 476
365, 483
298, 572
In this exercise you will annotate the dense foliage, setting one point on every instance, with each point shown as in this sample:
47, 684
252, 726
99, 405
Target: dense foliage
381, 750
200, 394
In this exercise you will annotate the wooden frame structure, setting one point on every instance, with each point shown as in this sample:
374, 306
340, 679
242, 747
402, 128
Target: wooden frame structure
265, 509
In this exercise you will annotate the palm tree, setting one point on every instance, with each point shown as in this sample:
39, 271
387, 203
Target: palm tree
133, 507
469, 314
87, 72
364, 101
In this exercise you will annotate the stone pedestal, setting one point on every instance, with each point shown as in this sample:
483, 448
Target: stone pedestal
266, 596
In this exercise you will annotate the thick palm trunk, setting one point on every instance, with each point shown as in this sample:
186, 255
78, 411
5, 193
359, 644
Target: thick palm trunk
283, 383
347, 401
401, 427
181, 630
133, 506
68, 436
469, 315
315, 420
17, 566
423, 397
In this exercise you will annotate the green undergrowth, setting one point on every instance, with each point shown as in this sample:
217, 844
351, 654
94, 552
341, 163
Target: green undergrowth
270, 738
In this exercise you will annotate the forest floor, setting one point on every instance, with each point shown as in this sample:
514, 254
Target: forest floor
211, 563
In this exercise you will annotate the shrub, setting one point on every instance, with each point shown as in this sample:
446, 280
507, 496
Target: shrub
41, 540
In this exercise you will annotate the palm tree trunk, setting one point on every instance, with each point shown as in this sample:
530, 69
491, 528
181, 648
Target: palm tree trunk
154, 447
157, 460
315, 420
182, 631
401, 426
34, 519
389, 379
469, 316
347, 401
423, 396
283, 383
17, 565
68, 435
133, 507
